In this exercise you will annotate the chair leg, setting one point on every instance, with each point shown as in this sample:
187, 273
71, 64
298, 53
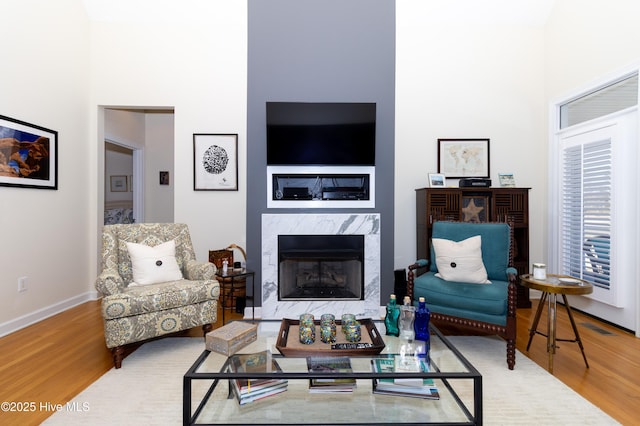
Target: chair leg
118, 354
511, 353
206, 328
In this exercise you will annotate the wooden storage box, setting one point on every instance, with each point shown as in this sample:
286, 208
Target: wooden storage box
218, 256
232, 337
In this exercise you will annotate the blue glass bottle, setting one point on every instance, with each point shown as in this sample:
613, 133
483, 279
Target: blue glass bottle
421, 323
391, 318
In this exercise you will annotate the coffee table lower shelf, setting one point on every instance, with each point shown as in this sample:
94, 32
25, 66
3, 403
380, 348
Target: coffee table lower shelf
207, 399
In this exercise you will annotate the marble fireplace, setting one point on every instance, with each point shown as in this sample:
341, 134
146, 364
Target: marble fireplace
366, 225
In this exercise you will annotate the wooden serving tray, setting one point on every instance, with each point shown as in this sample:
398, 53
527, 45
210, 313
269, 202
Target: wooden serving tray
288, 342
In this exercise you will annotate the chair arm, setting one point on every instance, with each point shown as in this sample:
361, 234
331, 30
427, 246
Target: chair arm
200, 271
512, 298
420, 263
109, 282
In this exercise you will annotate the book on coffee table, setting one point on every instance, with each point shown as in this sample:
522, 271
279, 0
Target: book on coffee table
248, 390
411, 387
330, 364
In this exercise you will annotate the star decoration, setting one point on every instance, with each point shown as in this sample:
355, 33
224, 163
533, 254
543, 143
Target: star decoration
472, 212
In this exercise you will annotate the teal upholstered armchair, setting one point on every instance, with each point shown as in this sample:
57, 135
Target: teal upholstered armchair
152, 285
467, 288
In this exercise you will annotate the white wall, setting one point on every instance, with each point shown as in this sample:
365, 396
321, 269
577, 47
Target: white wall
125, 127
589, 40
193, 62
158, 156
45, 81
462, 77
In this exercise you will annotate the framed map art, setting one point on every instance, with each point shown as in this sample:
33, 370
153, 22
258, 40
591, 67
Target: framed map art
463, 158
215, 162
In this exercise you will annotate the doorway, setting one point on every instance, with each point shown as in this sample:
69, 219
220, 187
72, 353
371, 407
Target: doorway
119, 184
147, 134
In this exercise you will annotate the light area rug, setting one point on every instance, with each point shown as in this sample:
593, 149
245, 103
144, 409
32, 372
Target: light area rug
148, 389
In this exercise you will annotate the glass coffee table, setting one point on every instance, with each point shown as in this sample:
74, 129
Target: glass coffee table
208, 399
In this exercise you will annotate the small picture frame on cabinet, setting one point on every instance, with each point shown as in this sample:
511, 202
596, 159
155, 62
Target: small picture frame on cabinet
436, 180
506, 180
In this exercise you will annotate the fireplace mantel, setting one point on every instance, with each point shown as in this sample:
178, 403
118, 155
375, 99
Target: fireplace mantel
319, 224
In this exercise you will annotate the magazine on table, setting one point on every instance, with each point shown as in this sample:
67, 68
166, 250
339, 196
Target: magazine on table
410, 386
330, 364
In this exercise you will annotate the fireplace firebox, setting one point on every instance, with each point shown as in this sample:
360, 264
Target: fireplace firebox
320, 267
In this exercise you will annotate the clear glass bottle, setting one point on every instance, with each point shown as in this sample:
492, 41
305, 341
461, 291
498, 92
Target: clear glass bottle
407, 317
392, 317
421, 323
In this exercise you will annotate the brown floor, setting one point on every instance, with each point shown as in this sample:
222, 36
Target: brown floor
54, 360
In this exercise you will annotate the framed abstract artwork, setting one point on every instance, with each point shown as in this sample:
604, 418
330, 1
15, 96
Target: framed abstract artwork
215, 162
28, 155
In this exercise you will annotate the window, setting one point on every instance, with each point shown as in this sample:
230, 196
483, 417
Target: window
594, 197
586, 212
611, 98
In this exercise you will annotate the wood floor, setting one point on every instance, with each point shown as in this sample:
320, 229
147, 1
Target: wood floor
52, 361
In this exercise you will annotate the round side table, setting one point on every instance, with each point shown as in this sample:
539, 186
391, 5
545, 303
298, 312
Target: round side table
551, 287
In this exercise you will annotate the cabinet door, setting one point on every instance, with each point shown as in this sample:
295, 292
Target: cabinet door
511, 205
443, 204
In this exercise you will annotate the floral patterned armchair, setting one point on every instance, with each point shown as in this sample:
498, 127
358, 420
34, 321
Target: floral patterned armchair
134, 312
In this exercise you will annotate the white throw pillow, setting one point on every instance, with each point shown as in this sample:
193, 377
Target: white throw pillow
152, 265
460, 261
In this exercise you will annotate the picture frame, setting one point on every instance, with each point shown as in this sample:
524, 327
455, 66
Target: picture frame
118, 183
164, 178
475, 208
506, 180
28, 155
437, 180
463, 158
215, 161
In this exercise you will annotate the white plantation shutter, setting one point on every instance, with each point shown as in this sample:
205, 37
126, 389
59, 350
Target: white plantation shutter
586, 212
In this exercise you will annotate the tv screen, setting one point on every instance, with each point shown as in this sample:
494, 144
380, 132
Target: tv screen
312, 133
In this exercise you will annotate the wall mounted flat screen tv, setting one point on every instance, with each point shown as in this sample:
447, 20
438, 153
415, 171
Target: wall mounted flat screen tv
321, 133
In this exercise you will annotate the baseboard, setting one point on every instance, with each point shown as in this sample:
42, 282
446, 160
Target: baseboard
37, 316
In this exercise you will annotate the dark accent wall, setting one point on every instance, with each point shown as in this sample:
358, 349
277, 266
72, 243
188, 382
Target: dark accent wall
321, 51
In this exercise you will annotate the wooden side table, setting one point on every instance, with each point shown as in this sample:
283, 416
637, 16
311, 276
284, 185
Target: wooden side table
234, 275
553, 286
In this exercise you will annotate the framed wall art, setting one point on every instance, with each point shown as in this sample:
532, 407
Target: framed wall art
215, 162
462, 158
164, 178
506, 180
436, 180
28, 155
118, 183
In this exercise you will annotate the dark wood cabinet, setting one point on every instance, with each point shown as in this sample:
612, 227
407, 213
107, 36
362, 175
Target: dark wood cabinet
509, 205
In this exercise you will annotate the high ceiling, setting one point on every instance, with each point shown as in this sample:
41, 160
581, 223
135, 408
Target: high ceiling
524, 12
